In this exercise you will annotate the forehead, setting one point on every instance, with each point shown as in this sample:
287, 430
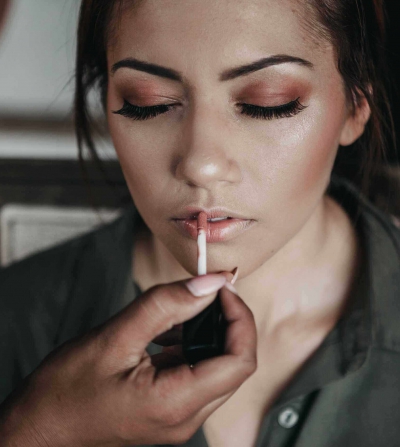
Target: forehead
209, 33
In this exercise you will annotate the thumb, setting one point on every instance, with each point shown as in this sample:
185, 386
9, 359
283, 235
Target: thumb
157, 311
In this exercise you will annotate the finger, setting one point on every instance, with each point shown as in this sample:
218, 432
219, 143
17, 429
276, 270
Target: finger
155, 312
165, 360
174, 350
228, 275
216, 377
241, 334
172, 337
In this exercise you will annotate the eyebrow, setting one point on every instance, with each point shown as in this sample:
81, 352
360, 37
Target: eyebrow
226, 75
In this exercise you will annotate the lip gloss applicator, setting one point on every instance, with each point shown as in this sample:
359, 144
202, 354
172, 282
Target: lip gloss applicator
201, 244
203, 336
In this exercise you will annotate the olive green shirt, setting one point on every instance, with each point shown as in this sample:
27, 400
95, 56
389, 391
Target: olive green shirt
346, 394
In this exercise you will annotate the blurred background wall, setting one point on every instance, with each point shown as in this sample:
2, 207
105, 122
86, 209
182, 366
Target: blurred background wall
37, 48
43, 196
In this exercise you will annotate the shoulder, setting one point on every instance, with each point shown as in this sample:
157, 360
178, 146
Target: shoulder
371, 221
381, 241
60, 293
383, 251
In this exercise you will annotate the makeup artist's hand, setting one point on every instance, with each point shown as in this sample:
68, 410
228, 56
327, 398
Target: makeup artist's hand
104, 389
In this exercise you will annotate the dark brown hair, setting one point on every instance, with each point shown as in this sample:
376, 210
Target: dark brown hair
356, 28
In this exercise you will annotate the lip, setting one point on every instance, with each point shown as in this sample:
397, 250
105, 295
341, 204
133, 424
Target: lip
216, 231
193, 212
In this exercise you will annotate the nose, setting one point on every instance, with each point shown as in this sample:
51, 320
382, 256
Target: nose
207, 155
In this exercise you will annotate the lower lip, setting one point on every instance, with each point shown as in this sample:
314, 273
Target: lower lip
218, 231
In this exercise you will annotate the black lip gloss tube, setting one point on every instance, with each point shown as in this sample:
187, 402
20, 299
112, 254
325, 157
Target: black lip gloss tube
203, 336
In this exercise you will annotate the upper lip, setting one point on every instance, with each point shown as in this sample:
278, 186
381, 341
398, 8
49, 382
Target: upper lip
212, 213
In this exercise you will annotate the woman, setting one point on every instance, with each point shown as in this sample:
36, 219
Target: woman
242, 110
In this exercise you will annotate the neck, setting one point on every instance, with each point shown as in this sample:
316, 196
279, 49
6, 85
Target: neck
311, 277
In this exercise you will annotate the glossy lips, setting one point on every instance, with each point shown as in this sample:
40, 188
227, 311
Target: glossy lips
191, 212
219, 231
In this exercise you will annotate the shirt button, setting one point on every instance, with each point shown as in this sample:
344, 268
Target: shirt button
288, 417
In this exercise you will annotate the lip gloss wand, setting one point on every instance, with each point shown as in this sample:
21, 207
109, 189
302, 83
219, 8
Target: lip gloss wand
203, 336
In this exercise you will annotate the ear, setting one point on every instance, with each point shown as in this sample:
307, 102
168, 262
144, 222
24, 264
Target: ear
354, 125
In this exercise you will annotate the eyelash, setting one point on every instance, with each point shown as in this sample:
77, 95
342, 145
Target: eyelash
268, 113
287, 110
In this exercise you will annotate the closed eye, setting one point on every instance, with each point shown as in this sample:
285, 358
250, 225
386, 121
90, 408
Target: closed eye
258, 112
268, 113
142, 113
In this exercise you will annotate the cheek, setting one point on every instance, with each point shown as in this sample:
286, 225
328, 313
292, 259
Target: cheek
301, 153
322, 140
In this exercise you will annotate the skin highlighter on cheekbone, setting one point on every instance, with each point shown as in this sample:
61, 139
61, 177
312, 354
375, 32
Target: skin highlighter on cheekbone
203, 336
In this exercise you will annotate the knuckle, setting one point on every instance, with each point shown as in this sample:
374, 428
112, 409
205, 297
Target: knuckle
157, 307
108, 343
161, 298
166, 300
250, 366
175, 412
169, 418
181, 435
172, 417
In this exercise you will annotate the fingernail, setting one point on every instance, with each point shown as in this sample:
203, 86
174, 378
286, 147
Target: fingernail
235, 273
230, 287
205, 284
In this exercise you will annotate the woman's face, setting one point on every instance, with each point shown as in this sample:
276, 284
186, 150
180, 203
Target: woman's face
203, 152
